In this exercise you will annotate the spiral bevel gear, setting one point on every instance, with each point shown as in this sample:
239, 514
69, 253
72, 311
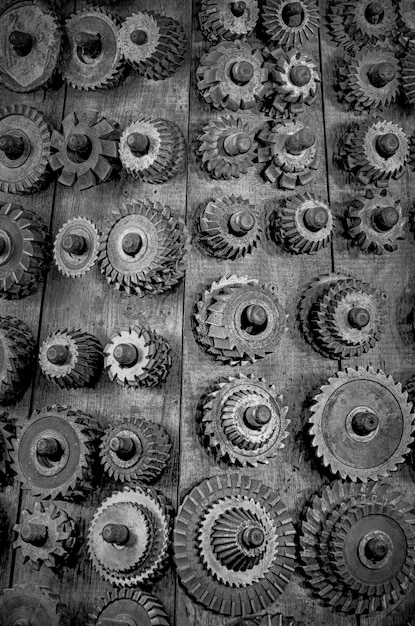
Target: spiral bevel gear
135, 449
133, 604
358, 546
128, 537
408, 74
221, 19
71, 358
33, 604
289, 24
155, 45
76, 247
406, 22
17, 349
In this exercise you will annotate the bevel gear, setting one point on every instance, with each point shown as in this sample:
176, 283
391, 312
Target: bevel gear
229, 227
155, 45
135, 449
52, 452
358, 546
234, 544
128, 537
289, 24
46, 535
76, 247
71, 358
227, 148
133, 605
408, 74
406, 22
31, 604
17, 349
86, 151
238, 320
225, 19
244, 421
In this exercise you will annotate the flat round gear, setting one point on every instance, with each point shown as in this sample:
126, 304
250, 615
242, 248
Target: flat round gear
406, 22
289, 24
235, 512
17, 352
244, 421
31, 604
224, 19
76, 247
135, 449
138, 607
408, 74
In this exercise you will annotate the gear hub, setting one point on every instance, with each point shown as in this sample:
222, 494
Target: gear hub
31, 605
76, 247
129, 607
17, 351
288, 23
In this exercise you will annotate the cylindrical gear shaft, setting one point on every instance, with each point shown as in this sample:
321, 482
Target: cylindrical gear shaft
17, 349
76, 247
221, 19
288, 23
32, 604
132, 605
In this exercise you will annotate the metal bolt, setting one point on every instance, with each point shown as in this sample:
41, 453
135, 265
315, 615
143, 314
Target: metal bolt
123, 446
79, 143
253, 537
242, 72
238, 8
374, 12
21, 42
126, 354
316, 218
139, 37
57, 354
387, 145
358, 317
132, 244
386, 217
240, 143
256, 315
241, 223
365, 423
258, 416
36, 534
300, 75
300, 141
115, 533
74, 244
376, 549
293, 14
48, 446
12, 146
381, 74
138, 143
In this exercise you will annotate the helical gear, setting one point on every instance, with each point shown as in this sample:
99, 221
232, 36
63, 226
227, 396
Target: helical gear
406, 22
227, 148
244, 421
76, 247
234, 544
229, 227
289, 24
142, 517
34, 602
17, 349
71, 358
408, 73
46, 535
135, 449
134, 604
358, 546
238, 320
221, 19
53, 452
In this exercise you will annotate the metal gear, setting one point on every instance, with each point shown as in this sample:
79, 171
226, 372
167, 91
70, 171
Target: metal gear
155, 45
406, 22
135, 449
71, 358
31, 604
128, 537
222, 19
86, 151
229, 227
133, 605
52, 452
46, 536
408, 74
244, 421
358, 546
17, 349
289, 24
76, 247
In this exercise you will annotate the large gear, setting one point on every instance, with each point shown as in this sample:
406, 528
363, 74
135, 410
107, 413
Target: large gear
17, 350
234, 544
408, 74
135, 449
244, 421
86, 151
238, 320
31, 604
224, 19
406, 22
289, 24
71, 359
76, 247
128, 537
138, 607
52, 452
358, 546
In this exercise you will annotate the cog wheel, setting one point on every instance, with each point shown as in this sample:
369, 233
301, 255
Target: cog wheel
221, 19
17, 349
52, 452
86, 151
32, 604
357, 546
128, 537
155, 45
76, 247
244, 421
290, 24
408, 74
133, 604
406, 22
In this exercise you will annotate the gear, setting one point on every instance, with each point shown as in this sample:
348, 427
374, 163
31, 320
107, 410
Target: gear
290, 154
71, 359
52, 452
76, 247
152, 150
134, 449
358, 546
406, 22
229, 227
46, 536
408, 74
290, 24
244, 421
221, 19
133, 605
234, 544
31, 604
30, 45
232, 75
17, 349
155, 45
86, 150
128, 537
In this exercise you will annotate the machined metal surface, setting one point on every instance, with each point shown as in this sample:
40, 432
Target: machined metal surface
76, 247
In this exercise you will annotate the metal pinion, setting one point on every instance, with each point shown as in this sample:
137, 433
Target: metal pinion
76, 247
289, 24
132, 604
17, 347
221, 19
408, 74
39, 602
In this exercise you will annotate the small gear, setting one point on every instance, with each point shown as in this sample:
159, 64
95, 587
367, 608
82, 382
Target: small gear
358, 546
229, 227
303, 224
406, 22
289, 24
76, 247
52, 452
221, 19
128, 537
155, 45
86, 151
31, 604
46, 536
134, 449
133, 605
152, 150
290, 154
408, 74
71, 359
232, 75
17, 349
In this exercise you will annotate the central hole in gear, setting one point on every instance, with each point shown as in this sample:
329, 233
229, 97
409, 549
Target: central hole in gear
364, 423
79, 148
374, 13
254, 319
49, 452
88, 46
293, 14
376, 550
252, 538
139, 37
21, 42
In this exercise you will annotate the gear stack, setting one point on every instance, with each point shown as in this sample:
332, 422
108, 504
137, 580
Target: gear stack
244, 421
128, 537
155, 45
406, 23
290, 154
30, 45
408, 74
288, 23
221, 19
239, 321
71, 359
358, 547
17, 349
76, 247
129, 606
31, 604
134, 449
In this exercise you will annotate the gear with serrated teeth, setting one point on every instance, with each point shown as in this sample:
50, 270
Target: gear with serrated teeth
288, 23
132, 604
76, 247
32, 604
221, 19
406, 22
408, 74
357, 546
17, 348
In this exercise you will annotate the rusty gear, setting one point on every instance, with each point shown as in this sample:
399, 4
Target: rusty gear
358, 546
135, 605
134, 449
222, 19
289, 24
76, 247
408, 74
31, 604
17, 349
406, 22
